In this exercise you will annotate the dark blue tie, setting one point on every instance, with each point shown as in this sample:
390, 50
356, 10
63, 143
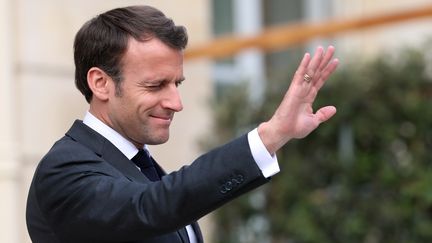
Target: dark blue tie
145, 163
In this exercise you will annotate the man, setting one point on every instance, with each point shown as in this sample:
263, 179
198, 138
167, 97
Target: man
93, 186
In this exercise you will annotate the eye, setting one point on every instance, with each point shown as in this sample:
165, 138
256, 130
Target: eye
154, 86
178, 83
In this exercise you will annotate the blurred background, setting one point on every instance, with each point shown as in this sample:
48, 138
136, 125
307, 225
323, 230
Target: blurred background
364, 176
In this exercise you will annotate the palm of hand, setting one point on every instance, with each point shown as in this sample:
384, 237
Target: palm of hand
294, 118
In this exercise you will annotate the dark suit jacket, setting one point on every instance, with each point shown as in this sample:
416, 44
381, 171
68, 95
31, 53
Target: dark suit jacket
85, 190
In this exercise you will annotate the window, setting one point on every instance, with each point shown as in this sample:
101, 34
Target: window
249, 17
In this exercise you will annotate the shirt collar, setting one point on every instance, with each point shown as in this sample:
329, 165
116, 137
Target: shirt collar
124, 145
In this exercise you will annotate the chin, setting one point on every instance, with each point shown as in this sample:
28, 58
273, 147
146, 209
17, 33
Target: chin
158, 140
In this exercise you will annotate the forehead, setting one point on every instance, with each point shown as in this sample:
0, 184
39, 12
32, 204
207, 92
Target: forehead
152, 57
151, 49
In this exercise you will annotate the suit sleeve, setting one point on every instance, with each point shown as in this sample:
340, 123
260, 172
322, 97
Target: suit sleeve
84, 197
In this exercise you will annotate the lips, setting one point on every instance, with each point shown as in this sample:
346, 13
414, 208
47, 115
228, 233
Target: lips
163, 117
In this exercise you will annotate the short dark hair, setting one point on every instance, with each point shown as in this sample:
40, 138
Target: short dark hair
102, 41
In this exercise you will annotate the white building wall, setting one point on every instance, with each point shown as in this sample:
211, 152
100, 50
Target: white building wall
383, 38
39, 102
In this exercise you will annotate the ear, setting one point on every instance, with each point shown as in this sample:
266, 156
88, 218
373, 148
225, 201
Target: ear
99, 83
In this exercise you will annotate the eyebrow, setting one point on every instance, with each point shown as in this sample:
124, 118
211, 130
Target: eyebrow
152, 81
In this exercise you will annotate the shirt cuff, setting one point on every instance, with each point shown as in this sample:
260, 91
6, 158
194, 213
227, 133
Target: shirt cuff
267, 163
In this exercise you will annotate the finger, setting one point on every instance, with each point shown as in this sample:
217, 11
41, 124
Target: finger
329, 69
315, 62
327, 57
299, 74
325, 113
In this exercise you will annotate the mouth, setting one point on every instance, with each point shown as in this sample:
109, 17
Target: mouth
166, 117
163, 118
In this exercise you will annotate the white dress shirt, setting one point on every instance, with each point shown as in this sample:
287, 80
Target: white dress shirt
267, 163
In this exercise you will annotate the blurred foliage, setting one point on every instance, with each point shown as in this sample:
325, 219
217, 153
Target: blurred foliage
364, 176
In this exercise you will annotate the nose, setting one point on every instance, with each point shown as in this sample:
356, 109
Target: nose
172, 100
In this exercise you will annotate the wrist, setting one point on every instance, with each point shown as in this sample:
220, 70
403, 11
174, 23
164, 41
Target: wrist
271, 138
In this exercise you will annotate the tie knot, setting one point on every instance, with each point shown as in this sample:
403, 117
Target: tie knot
145, 163
142, 159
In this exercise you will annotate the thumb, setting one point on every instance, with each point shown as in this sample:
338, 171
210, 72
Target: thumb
325, 113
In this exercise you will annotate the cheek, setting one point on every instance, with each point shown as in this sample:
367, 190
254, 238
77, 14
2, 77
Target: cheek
146, 103
126, 112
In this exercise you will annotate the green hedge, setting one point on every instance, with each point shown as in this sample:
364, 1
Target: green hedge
364, 176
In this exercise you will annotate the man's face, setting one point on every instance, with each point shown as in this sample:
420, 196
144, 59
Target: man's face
149, 97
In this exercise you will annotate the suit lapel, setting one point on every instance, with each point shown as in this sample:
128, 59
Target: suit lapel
117, 159
106, 150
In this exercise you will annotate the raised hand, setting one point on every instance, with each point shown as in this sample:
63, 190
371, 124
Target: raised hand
294, 118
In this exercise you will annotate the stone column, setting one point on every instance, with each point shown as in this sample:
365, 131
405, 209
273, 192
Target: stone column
8, 156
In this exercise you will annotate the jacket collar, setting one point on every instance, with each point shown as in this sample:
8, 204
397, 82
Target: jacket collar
105, 149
